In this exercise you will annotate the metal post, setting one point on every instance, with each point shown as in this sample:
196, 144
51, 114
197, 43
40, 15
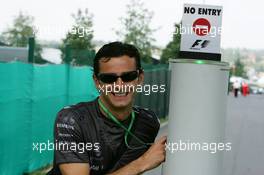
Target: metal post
67, 60
197, 112
31, 48
67, 54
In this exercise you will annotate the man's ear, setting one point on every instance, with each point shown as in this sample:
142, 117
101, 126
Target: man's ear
96, 81
99, 86
141, 77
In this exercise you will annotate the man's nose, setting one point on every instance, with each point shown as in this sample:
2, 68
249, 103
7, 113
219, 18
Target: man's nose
118, 85
119, 81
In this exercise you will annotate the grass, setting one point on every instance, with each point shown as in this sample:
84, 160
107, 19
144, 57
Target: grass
163, 119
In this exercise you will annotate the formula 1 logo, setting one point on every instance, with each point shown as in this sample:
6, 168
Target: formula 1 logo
200, 44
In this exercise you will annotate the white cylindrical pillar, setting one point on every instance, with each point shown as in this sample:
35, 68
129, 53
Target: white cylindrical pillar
197, 113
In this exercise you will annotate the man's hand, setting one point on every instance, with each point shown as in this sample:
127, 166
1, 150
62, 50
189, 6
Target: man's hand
155, 155
152, 158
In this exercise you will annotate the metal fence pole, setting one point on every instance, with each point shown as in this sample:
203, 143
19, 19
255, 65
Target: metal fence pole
67, 52
31, 48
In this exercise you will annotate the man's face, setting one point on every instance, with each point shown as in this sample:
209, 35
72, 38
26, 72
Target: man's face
122, 97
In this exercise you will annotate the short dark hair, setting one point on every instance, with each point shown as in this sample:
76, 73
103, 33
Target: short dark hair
116, 49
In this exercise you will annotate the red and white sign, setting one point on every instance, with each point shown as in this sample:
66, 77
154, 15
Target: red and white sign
201, 29
201, 26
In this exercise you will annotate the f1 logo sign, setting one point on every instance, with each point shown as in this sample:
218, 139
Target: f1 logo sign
199, 44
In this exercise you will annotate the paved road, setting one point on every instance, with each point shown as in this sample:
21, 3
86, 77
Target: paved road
245, 129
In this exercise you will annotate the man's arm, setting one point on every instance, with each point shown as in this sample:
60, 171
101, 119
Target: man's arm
75, 168
149, 160
67, 130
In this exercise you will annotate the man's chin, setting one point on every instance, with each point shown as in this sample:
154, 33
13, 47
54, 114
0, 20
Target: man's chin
120, 104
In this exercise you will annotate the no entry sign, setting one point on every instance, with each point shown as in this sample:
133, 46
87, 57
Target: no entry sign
201, 26
201, 32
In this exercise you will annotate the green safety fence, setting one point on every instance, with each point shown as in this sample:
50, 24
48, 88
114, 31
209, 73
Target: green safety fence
30, 97
158, 99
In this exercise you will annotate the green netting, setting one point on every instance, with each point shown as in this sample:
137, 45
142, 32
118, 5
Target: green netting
30, 97
158, 102
155, 67
80, 56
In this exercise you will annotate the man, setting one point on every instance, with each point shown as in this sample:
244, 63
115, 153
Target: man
236, 87
117, 137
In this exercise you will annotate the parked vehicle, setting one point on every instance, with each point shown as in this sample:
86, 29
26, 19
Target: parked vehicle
256, 90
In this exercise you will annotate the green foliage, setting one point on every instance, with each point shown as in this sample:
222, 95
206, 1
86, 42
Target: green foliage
172, 49
79, 38
136, 28
19, 33
21, 30
37, 55
239, 68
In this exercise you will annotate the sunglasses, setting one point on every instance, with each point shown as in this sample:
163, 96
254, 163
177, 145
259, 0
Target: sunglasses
110, 78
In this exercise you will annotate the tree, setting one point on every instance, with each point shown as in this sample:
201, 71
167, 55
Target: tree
239, 69
136, 28
19, 33
37, 55
172, 49
79, 38
22, 29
